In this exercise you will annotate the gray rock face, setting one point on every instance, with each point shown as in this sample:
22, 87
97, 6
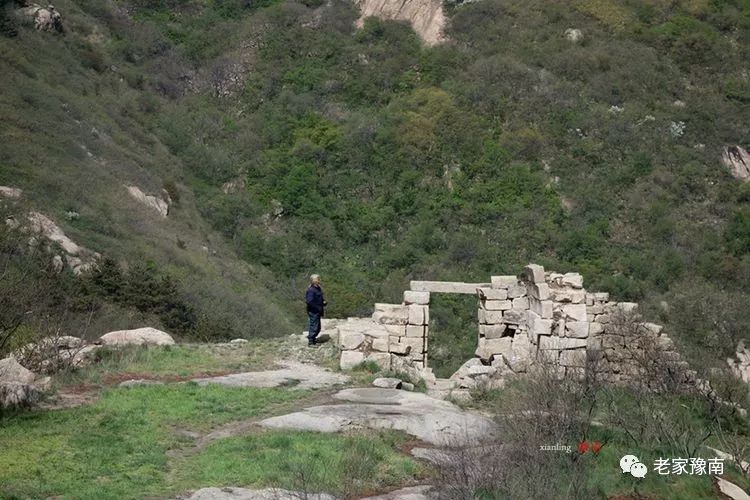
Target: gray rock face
139, 336
737, 160
153, 202
432, 420
300, 375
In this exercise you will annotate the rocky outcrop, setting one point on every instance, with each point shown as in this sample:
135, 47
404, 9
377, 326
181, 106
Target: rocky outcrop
232, 493
737, 160
574, 35
10, 192
431, 420
426, 16
740, 364
45, 18
159, 205
138, 336
52, 354
78, 258
19, 386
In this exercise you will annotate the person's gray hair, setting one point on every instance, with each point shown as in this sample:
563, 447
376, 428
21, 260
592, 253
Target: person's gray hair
314, 277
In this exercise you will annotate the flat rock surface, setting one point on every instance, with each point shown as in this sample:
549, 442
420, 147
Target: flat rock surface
231, 493
410, 493
291, 373
731, 490
431, 420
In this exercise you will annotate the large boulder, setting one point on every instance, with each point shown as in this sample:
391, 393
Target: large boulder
12, 371
17, 384
139, 336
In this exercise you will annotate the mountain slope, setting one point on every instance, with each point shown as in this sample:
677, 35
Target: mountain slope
371, 158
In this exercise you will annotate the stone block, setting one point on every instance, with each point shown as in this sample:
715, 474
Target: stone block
500, 282
571, 343
577, 329
589, 299
398, 330
415, 331
350, 359
382, 359
399, 348
416, 344
533, 273
494, 293
416, 314
602, 319
447, 287
576, 312
543, 308
521, 303
380, 344
496, 305
539, 325
351, 340
574, 280
594, 343
391, 314
653, 328
548, 343
516, 290
514, 317
594, 310
573, 357
628, 307
595, 329
601, 296
568, 295
414, 297
489, 347
540, 291
492, 331
490, 317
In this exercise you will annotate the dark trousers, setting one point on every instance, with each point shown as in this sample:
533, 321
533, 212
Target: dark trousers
314, 328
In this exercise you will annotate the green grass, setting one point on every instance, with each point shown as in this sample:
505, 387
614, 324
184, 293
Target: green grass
117, 447
194, 360
339, 464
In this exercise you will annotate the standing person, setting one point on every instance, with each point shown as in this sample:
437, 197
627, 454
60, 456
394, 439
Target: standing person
315, 308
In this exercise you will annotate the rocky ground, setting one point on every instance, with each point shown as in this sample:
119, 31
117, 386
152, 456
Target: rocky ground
303, 398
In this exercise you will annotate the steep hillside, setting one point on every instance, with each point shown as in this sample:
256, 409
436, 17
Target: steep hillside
582, 135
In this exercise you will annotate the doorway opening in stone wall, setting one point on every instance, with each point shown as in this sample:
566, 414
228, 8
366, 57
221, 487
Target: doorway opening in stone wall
452, 334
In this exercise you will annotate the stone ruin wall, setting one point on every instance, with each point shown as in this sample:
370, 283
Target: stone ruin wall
522, 319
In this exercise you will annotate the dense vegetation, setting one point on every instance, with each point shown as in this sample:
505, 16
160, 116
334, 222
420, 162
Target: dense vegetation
372, 159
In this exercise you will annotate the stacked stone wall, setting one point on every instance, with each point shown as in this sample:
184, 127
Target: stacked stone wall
523, 319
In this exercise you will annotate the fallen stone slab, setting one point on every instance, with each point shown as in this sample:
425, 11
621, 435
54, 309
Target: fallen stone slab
387, 383
432, 420
231, 493
292, 373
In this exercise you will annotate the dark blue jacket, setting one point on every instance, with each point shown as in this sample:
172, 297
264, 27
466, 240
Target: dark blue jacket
314, 299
